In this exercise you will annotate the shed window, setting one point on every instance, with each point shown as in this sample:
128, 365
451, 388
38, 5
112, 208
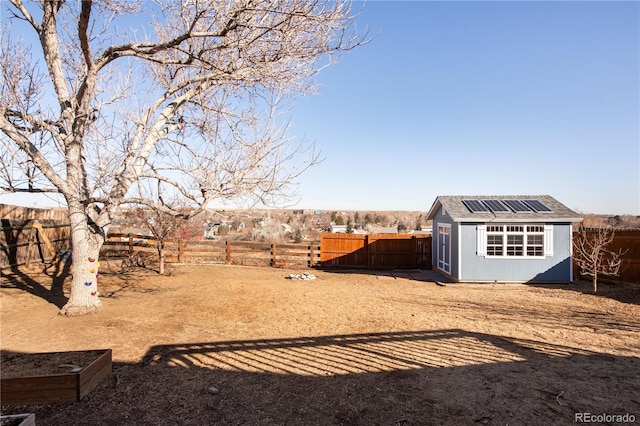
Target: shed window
494, 245
515, 245
515, 240
535, 245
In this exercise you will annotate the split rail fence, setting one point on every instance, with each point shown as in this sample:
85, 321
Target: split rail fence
205, 251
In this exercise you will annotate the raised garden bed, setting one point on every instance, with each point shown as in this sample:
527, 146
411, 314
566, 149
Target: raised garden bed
51, 377
28, 419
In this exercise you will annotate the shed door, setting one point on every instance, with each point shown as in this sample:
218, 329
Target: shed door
444, 248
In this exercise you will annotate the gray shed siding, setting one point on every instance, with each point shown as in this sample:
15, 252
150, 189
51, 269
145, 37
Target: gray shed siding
551, 268
445, 219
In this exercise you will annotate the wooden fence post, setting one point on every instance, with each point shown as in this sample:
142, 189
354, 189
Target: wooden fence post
47, 243
273, 254
32, 237
228, 251
130, 246
180, 250
310, 264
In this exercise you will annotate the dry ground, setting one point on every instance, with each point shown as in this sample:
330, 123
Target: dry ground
347, 348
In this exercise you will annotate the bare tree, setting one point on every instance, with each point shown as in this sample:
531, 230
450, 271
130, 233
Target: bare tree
187, 103
592, 255
163, 226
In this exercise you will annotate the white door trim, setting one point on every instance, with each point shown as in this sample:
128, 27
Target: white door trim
444, 247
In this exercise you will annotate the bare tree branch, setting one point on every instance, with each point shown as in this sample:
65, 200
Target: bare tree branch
24, 14
592, 255
184, 106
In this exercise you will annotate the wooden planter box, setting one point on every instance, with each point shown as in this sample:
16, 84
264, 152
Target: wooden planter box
65, 387
28, 419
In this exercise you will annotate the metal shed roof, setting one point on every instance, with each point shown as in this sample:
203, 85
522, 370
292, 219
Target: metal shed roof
454, 205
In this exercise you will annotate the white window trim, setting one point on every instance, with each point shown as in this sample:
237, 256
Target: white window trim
482, 235
481, 240
548, 240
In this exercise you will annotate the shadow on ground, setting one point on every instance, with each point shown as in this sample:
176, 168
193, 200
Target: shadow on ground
623, 292
20, 279
424, 275
30, 281
397, 378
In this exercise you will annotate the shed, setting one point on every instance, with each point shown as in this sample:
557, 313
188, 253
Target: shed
508, 238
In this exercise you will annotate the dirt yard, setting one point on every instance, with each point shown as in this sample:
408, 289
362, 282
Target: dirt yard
244, 345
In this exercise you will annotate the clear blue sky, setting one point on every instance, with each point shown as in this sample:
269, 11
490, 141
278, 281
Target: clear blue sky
451, 98
480, 98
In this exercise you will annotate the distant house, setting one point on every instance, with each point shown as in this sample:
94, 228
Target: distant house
134, 230
375, 229
502, 238
338, 229
211, 229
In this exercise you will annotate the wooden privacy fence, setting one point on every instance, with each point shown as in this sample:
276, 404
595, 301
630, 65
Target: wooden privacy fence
628, 240
18, 212
630, 269
23, 242
204, 251
375, 251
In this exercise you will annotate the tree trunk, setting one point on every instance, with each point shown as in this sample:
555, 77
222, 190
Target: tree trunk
595, 283
161, 259
85, 248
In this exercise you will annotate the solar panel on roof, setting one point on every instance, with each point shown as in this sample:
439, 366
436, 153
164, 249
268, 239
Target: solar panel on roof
495, 205
517, 206
537, 206
474, 206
